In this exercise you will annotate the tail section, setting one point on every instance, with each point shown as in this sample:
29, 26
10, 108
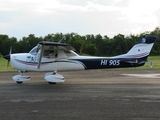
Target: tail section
142, 48
138, 54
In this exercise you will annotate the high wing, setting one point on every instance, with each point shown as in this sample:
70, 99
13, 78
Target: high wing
45, 44
60, 45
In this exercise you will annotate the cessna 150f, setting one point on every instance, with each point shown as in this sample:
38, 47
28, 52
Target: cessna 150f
53, 57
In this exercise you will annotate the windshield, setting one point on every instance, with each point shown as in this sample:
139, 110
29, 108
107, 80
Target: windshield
33, 51
52, 50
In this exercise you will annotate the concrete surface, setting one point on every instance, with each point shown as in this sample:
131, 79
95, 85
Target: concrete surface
87, 95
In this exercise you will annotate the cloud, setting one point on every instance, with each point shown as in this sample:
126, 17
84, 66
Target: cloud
143, 14
107, 17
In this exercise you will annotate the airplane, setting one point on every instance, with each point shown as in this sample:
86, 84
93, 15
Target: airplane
55, 56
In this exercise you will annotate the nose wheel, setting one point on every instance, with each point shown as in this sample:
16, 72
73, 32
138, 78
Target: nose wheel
21, 77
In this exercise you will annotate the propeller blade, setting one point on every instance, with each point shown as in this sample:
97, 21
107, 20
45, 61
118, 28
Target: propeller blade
10, 52
8, 57
8, 63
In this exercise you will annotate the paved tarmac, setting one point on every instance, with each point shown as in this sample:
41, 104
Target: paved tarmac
87, 95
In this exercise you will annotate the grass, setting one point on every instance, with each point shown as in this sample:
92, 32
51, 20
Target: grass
4, 67
154, 59
155, 62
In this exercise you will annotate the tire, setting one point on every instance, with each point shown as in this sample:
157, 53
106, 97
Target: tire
19, 82
52, 83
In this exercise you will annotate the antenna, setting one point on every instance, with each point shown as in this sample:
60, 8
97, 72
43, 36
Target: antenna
63, 38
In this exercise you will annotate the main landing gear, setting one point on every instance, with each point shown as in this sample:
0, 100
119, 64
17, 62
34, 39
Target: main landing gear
54, 77
51, 77
51, 83
19, 82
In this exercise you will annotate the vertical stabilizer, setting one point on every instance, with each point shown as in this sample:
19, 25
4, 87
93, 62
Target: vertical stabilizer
143, 47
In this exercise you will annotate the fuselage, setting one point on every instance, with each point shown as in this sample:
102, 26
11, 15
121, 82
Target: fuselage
29, 62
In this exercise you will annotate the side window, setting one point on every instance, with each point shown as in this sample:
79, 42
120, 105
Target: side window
46, 53
51, 52
70, 53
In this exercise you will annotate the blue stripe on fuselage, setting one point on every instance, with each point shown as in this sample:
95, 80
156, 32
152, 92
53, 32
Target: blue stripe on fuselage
103, 63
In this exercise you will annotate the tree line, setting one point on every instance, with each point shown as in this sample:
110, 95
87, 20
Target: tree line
96, 45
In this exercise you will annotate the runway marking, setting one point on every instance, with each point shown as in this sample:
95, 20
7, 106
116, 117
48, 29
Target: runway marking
143, 75
34, 111
150, 101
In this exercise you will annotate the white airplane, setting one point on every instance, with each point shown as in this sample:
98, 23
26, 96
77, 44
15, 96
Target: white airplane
53, 57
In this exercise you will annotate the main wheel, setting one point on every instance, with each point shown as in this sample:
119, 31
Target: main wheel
19, 82
52, 82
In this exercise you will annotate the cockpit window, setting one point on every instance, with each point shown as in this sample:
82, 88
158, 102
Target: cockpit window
70, 53
33, 51
51, 52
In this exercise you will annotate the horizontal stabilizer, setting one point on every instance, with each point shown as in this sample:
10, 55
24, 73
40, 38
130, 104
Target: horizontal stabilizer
136, 61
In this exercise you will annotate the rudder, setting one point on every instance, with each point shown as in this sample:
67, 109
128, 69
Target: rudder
143, 47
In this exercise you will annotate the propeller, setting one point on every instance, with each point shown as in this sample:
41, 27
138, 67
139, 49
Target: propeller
7, 57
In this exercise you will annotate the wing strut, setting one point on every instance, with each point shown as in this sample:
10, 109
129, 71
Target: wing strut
40, 57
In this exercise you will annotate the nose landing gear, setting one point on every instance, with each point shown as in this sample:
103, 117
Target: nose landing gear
21, 77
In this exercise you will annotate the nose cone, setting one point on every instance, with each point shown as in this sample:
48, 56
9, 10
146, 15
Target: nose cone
7, 57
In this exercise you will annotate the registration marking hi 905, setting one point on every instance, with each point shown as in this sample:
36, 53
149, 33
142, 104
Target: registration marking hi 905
110, 62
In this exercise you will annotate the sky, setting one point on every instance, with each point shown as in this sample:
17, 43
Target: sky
19, 18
